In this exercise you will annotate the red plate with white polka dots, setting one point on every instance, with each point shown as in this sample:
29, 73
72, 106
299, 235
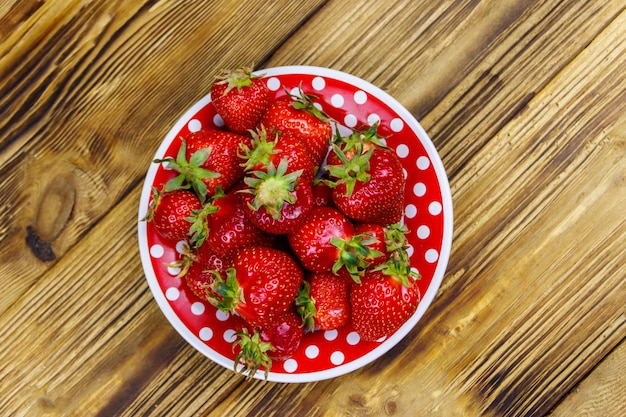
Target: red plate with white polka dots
352, 102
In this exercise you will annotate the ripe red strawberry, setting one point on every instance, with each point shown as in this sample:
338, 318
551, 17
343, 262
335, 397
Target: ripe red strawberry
368, 186
200, 268
299, 117
383, 301
277, 202
229, 228
263, 152
260, 285
258, 346
223, 158
206, 160
375, 239
322, 194
326, 243
324, 301
172, 213
240, 98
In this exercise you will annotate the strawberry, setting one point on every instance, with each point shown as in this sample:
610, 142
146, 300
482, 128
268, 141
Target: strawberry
258, 346
173, 213
191, 174
240, 98
375, 237
262, 152
207, 159
368, 186
202, 267
299, 117
260, 285
324, 301
322, 194
229, 228
326, 242
359, 141
277, 202
223, 157
384, 301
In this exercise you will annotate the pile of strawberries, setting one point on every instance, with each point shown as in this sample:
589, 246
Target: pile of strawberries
289, 227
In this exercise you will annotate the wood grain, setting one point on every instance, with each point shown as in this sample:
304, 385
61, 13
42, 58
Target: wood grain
85, 115
524, 100
600, 393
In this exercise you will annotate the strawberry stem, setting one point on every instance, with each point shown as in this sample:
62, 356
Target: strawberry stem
354, 254
252, 354
272, 188
238, 78
305, 306
305, 102
191, 173
350, 170
261, 150
228, 293
364, 139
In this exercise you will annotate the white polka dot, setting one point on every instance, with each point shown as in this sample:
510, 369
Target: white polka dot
409, 250
319, 83
168, 167
402, 150
396, 125
230, 336
194, 125
218, 121
422, 162
197, 308
360, 97
434, 208
382, 339
273, 84
182, 246
337, 358
205, 334
172, 293
431, 256
350, 120
410, 211
330, 335
372, 119
423, 231
415, 271
173, 271
336, 100
318, 106
353, 338
312, 351
419, 189
156, 251
295, 92
290, 365
222, 315
405, 173
343, 131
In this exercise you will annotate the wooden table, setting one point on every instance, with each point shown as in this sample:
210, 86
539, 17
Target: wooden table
525, 101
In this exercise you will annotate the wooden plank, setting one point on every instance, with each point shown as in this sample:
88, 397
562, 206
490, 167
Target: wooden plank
359, 394
100, 336
602, 393
495, 214
462, 68
547, 330
88, 91
164, 376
